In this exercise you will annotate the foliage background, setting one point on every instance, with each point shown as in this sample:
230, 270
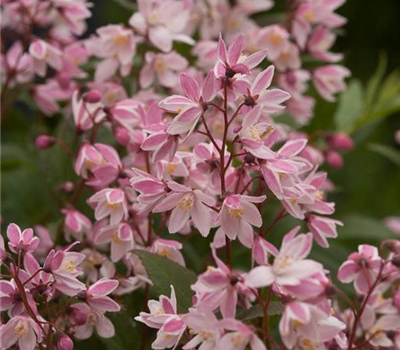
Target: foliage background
368, 187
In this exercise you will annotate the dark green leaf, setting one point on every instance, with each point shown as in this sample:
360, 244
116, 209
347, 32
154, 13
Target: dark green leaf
274, 308
164, 273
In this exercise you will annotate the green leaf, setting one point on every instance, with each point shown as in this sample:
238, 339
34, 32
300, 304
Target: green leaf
127, 335
350, 107
375, 81
164, 273
388, 152
274, 308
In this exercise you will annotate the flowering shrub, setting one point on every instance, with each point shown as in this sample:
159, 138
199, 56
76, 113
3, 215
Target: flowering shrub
186, 126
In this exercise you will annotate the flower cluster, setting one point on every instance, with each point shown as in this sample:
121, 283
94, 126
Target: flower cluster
198, 148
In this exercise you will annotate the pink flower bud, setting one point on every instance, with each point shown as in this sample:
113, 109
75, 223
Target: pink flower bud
79, 317
44, 141
341, 141
64, 342
63, 80
67, 186
93, 96
334, 159
122, 136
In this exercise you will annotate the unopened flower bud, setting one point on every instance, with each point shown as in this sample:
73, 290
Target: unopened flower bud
78, 317
341, 141
64, 342
237, 129
334, 159
44, 141
67, 186
63, 80
121, 135
93, 96
396, 261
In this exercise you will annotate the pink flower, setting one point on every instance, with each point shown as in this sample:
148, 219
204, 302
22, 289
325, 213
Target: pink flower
92, 319
21, 242
328, 80
361, 267
218, 287
304, 325
63, 265
393, 224
76, 224
74, 14
276, 40
323, 228
257, 137
96, 296
237, 215
164, 66
163, 316
380, 329
205, 326
86, 114
161, 143
191, 106
151, 190
270, 100
117, 46
110, 202
74, 55
162, 22
40, 282
280, 171
262, 250
230, 61
320, 42
44, 53
16, 60
289, 59
10, 299
21, 329
121, 238
185, 204
289, 266
168, 248
240, 337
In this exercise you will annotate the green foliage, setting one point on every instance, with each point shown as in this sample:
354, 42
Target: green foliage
256, 311
164, 273
360, 106
387, 152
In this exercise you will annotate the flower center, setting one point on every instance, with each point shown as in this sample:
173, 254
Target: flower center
185, 204
171, 168
120, 40
21, 329
115, 238
237, 340
236, 213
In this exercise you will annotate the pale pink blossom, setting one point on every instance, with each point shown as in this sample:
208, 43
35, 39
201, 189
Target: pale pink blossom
329, 80
185, 204
231, 61
163, 66
110, 202
86, 114
76, 224
162, 22
361, 268
15, 60
121, 238
320, 42
21, 329
163, 316
238, 214
151, 190
21, 242
116, 45
44, 54
191, 106
96, 296
168, 248
393, 224
289, 266
92, 319
323, 228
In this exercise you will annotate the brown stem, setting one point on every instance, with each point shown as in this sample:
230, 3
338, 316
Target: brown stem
364, 304
280, 215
